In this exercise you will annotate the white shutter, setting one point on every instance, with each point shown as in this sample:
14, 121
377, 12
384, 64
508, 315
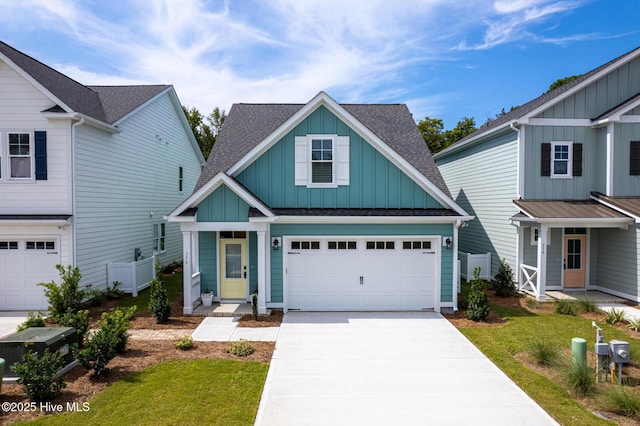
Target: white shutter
342, 160
301, 161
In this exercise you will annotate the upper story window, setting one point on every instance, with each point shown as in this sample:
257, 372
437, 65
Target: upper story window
561, 159
321, 161
180, 178
23, 156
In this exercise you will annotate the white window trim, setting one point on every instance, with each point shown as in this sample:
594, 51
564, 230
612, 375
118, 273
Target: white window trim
339, 161
569, 174
5, 162
160, 237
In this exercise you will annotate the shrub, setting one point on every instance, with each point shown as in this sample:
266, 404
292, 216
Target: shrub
565, 307
184, 343
241, 347
67, 295
580, 379
38, 375
159, 303
614, 316
503, 283
588, 305
477, 301
97, 352
78, 320
33, 320
544, 353
117, 323
634, 324
623, 401
254, 306
532, 303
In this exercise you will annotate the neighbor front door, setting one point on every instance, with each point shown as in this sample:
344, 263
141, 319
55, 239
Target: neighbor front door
575, 260
233, 269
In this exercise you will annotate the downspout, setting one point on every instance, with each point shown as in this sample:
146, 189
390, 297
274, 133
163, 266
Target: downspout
519, 159
456, 270
73, 189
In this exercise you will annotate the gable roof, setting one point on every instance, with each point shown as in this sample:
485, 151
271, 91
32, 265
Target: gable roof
248, 125
107, 104
542, 102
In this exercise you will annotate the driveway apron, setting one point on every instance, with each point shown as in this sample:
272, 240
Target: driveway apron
406, 368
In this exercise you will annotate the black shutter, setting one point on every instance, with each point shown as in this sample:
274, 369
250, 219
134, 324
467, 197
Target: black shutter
545, 159
577, 159
634, 158
40, 139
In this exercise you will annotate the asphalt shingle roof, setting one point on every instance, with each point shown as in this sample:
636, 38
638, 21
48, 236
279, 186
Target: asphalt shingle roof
249, 124
104, 103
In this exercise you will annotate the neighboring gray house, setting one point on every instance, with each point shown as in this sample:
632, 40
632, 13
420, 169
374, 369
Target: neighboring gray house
555, 185
86, 175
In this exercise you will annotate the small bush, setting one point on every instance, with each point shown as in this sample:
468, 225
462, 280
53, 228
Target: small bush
241, 347
38, 375
532, 303
566, 307
159, 302
117, 323
614, 316
33, 320
114, 292
588, 306
78, 320
623, 401
544, 353
634, 324
580, 379
503, 283
67, 295
184, 343
97, 352
477, 301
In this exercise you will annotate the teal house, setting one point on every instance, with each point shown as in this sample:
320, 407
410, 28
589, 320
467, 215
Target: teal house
554, 185
321, 206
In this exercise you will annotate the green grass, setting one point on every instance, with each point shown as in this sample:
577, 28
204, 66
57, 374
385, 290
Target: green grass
173, 284
184, 392
500, 344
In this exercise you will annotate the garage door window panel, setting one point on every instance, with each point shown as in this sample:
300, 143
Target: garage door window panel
8, 245
416, 245
40, 245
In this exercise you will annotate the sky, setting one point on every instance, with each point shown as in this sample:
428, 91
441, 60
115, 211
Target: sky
445, 59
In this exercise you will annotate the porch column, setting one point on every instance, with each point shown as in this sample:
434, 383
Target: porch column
542, 262
187, 309
520, 257
262, 271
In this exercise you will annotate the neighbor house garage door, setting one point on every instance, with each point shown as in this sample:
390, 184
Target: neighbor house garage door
361, 273
25, 262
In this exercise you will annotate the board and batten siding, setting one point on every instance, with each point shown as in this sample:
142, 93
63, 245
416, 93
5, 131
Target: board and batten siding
482, 180
20, 110
355, 230
374, 182
623, 183
223, 205
618, 252
537, 187
127, 182
602, 95
208, 260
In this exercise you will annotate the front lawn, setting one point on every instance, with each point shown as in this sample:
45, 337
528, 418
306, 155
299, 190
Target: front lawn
506, 344
185, 392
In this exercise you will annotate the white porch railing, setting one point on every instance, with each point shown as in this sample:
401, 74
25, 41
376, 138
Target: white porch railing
195, 287
134, 276
528, 282
468, 262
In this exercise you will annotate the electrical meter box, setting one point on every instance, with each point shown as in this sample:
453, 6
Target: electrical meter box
619, 352
601, 349
37, 339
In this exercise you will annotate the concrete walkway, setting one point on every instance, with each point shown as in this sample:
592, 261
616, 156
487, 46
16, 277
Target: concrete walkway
222, 329
386, 368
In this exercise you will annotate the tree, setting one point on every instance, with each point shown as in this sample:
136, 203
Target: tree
205, 129
561, 82
438, 139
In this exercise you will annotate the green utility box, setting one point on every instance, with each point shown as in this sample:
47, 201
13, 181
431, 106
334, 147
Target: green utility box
36, 339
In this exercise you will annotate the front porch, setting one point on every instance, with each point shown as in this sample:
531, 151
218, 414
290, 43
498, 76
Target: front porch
591, 295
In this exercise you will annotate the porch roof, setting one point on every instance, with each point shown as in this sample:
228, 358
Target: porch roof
587, 213
627, 205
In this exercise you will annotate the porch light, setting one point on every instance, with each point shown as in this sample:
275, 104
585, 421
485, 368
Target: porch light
448, 243
275, 243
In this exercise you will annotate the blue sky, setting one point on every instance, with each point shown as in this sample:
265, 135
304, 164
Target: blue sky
444, 58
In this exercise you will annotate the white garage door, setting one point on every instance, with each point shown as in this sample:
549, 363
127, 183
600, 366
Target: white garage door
25, 262
361, 273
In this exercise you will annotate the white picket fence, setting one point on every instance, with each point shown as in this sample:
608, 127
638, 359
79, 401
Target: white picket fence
134, 276
468, 262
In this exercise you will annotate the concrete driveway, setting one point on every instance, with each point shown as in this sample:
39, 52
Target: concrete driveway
384, 369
